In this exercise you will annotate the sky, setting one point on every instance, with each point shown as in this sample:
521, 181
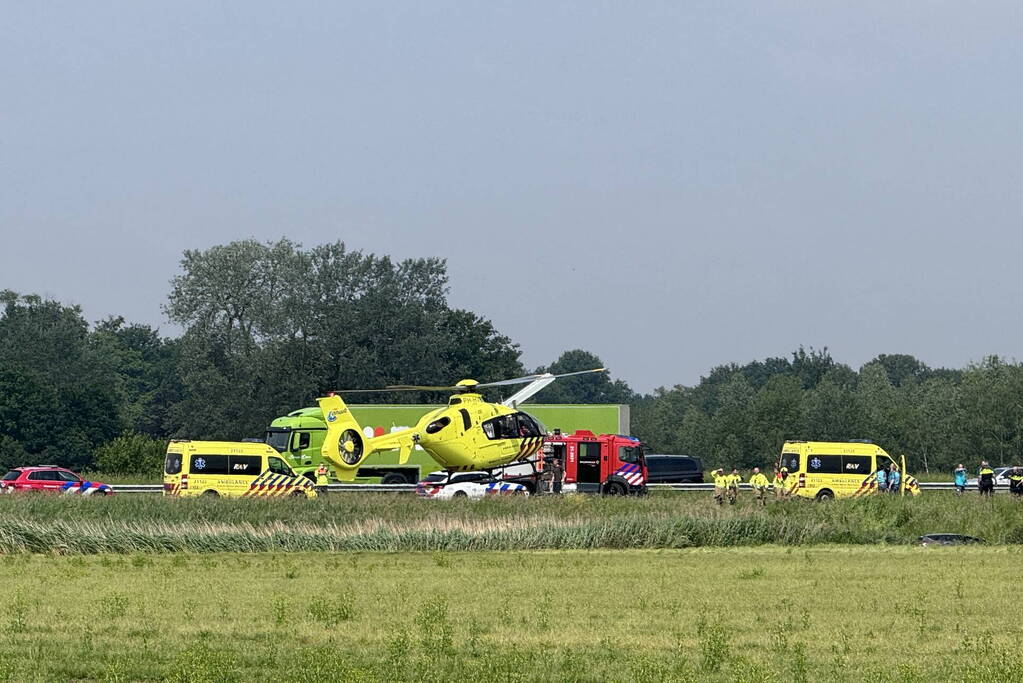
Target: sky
669, 185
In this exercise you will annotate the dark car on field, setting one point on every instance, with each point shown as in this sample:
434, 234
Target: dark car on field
949, 539
674, 469
52, 479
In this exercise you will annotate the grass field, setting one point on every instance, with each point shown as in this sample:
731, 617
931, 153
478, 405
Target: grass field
737, 614
382, 522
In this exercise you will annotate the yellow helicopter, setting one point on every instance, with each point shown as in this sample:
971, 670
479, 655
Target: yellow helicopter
466, 434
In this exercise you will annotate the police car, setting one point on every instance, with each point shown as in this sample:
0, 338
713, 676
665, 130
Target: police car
447, 485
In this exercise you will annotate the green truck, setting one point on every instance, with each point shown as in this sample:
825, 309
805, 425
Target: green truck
299, 435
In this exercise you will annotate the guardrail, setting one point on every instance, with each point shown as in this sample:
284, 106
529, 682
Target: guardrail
410, 488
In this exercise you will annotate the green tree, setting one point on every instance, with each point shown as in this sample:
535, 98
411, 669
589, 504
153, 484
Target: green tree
591, 388
132, 453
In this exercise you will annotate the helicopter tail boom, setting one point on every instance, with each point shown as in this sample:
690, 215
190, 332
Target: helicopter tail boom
345, 444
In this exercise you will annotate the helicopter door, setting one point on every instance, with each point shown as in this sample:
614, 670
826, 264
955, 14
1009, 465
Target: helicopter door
588, 467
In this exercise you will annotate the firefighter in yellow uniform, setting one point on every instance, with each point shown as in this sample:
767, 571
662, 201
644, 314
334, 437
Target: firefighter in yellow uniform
780, 482
760, 485
321, 478
720, 484
733, 486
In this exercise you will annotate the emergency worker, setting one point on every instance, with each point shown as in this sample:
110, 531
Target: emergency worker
1016, 481
720, 484
760, 485
321, 478
985, 479
547, 477
894, 480
733, 486
781, 483
959, 475
557, 476
882, 479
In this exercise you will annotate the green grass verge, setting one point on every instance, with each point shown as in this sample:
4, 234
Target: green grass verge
742, 614
381, 522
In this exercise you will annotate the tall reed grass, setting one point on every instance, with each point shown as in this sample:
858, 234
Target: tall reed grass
389, 523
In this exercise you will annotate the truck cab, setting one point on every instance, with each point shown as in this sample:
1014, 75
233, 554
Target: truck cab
611, 464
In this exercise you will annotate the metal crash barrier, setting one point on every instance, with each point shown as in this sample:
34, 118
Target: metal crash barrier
410, 488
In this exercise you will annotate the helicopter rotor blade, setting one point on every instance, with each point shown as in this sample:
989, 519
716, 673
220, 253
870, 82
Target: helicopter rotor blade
504, 382
533, 378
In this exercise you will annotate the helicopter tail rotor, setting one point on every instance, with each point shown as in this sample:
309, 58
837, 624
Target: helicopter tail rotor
343, 445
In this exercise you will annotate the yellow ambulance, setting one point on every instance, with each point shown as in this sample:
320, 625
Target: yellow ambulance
839, 469
230, 469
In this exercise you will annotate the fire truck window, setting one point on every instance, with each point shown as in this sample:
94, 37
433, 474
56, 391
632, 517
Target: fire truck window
628, 454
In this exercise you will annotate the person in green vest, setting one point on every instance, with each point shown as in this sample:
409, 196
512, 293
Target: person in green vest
732, 486
720, 484
322, 479
760, 485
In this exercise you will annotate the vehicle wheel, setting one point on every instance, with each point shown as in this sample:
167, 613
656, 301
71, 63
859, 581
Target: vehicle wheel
311, 476
520, 492
460, 494
210, 494
394, 478
825, 494
615, 489
298, 494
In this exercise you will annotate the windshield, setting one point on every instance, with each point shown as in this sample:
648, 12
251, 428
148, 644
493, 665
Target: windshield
629, 454
278, 439
11, 476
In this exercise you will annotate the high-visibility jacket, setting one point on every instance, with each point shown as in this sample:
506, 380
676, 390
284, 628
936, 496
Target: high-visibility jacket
1015, 477
321, 478
721, 481
987, 476
732, 481
759, 481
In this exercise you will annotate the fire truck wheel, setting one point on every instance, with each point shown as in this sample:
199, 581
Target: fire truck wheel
615, 488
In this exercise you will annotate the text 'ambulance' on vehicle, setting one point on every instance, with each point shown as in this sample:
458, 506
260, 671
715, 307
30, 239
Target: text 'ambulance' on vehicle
838, 469
230, 469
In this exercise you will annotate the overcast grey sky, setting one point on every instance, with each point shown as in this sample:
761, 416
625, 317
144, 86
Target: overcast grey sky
671, 185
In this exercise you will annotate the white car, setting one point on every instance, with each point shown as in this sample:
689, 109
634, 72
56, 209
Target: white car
447, 485
1001, 478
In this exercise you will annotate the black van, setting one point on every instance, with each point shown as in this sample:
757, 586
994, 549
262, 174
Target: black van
673, 469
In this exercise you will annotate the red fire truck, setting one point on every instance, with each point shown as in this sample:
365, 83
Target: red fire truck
611, 464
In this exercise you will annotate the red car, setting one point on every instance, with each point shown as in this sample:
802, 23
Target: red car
50, 478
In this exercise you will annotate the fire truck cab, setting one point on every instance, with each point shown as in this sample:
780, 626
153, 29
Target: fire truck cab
611, 464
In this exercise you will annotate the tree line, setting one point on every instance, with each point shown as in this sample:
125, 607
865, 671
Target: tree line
268, 327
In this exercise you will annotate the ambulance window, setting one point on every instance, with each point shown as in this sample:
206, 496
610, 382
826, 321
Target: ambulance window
246, 464
173, 463
277, 466
790, 461
856, 464
823, 464
209, 464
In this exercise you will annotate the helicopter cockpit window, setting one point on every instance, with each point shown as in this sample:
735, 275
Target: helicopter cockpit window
438, 425
466, 420
501, 427
527, 426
